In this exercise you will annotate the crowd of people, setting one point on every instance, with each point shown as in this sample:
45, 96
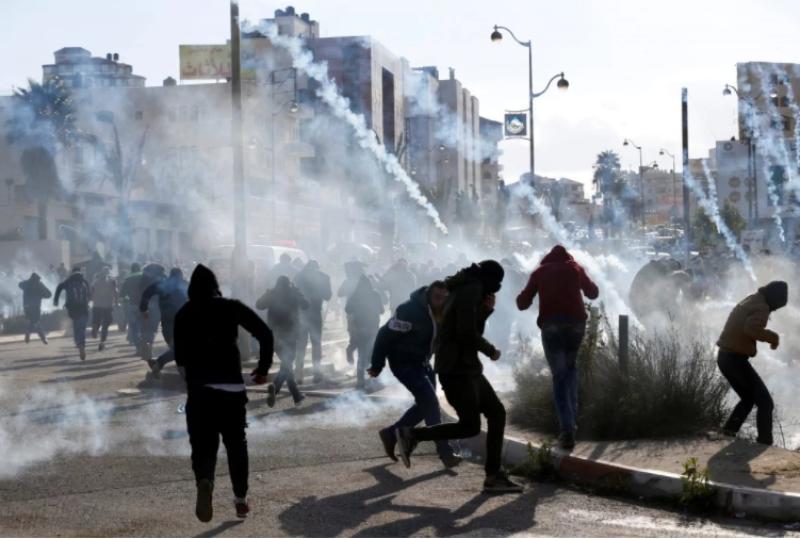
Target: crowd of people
435, 332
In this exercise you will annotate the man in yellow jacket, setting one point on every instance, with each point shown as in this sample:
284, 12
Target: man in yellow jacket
746, 325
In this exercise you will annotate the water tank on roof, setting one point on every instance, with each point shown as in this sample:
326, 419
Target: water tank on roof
290, 10
116, 57
108, 56
305, 17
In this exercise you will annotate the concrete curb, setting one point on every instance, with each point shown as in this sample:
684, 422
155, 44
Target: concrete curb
645, 483
629, 480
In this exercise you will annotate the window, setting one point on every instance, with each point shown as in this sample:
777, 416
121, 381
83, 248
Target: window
734, 182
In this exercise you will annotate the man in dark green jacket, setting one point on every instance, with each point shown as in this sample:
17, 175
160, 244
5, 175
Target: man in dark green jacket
469, 304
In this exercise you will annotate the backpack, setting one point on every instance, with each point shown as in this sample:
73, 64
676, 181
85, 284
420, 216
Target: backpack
77, 294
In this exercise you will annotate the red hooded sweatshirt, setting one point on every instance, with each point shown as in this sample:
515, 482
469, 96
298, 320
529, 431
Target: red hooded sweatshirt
559, 281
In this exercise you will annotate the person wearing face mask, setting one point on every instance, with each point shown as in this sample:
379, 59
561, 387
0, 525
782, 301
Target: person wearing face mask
470, 302
407, 339
746, 325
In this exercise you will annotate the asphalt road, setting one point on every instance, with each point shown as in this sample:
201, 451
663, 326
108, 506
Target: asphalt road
87, 450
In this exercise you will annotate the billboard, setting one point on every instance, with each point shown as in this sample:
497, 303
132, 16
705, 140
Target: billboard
204, 62
213, 62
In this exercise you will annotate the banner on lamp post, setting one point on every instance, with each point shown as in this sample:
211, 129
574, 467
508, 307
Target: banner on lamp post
516, 124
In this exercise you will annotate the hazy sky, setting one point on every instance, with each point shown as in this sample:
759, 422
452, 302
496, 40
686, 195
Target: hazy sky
626, 60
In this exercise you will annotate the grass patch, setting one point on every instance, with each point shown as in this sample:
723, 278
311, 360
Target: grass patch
672, 387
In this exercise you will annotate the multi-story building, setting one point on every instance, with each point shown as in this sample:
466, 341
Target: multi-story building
79, 69
162, 155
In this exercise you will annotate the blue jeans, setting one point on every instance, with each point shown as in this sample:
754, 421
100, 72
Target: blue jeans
420, 380
561, 343
79, 324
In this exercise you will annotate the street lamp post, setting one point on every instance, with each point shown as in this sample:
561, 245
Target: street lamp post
662, 151
629, 142
563, 84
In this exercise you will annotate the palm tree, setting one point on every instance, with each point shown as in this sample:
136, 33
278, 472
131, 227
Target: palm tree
608, 182
43, 120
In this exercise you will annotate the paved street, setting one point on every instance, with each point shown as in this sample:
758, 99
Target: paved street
89, 452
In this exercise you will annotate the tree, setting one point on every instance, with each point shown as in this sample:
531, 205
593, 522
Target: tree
43, 120
733, 220
608, 182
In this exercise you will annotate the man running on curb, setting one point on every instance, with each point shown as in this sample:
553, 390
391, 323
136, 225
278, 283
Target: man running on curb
559, 281
469, 304
206, 333
77, 303
407, 340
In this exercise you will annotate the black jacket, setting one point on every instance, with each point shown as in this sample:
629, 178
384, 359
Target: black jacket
33, 292
463, 321
364, 307
316, 288
78, 293
206, 332
172, 294
407, 338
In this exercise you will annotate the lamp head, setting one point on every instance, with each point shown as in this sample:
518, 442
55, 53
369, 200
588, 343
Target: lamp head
496, 35
726, 91
293, 107
562, 83
660, 152
773, 94
625, 142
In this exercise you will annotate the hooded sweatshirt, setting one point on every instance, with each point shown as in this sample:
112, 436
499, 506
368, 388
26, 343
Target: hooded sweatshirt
33, 292
206, 333
464, 319
559, 280
747, 322
407, 338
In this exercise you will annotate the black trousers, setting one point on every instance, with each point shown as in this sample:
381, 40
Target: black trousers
471, 396
746, 382
101, 318
211, 413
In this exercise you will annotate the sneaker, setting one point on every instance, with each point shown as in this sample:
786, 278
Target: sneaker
298, 401
204, 510
101, 346
499, 483
154, 367
27, 339
82, 353
405, 438
450, 461
566, 440
44, 340
242, 507
389, 442
271, 395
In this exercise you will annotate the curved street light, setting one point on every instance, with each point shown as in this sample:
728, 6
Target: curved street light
497, 36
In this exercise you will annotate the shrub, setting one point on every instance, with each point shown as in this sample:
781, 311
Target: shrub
672, 387
697, 492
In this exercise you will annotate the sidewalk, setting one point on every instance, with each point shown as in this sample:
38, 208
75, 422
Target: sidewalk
750, 479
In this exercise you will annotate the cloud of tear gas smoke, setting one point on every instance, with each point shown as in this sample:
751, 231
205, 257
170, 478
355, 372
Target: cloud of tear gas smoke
43, 424
303, 60
711, 209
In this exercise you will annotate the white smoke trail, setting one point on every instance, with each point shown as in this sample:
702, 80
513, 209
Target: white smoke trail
712, 211
767, 159
712, 183
303, 60
613, 299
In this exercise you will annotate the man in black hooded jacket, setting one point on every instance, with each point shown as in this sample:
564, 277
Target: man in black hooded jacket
205, 348
469, 304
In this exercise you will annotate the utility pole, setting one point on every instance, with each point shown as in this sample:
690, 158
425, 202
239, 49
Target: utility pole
237, 143
687, 222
